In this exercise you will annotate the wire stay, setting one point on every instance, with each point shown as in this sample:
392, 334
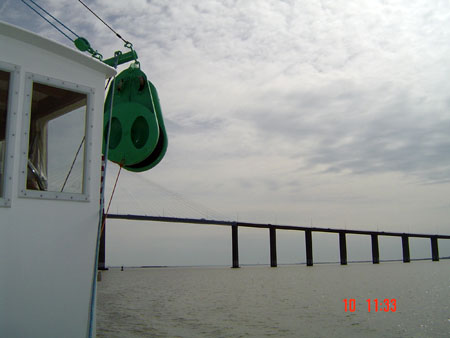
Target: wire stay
73, 163
51, 23
98, 17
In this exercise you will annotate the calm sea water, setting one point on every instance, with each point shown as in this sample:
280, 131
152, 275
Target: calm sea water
288, 301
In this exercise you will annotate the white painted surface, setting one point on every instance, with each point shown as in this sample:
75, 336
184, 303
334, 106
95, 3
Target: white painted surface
47, 247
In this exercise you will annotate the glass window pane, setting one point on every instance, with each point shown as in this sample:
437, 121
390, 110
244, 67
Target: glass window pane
56, 143
4, 90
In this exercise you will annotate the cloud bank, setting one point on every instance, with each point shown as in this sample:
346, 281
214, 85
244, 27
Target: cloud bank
334, 111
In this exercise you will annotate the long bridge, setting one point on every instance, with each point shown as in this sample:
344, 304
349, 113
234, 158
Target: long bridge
272, 237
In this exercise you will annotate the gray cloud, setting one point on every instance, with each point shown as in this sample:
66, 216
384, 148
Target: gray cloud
344, 127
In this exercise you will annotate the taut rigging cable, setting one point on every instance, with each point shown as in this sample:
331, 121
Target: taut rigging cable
52, 24
98, 17
80, 42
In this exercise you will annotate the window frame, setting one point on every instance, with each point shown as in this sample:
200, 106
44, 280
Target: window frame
10, 131
84, 196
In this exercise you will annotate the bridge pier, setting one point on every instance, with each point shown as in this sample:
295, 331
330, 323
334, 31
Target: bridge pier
343, 248
273, 247
375, 250
102, 248
235, 246
434, 249
309, 251
405, 247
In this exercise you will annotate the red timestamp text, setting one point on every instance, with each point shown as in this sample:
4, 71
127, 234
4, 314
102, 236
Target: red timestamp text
373, 305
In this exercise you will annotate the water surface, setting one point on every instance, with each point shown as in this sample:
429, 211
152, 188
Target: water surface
288, 301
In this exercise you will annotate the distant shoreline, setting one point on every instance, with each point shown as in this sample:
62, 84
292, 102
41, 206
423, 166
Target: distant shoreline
256, 264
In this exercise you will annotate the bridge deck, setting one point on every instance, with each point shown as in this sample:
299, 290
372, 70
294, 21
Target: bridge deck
262, 225
308, 238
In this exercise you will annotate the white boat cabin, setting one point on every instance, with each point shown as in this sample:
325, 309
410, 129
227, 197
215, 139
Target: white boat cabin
51, 125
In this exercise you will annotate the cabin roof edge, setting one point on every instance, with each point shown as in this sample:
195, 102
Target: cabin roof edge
18, 33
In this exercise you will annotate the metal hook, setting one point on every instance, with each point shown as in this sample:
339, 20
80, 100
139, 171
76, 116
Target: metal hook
136, 64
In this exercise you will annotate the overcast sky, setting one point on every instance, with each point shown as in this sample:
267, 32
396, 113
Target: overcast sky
325, 113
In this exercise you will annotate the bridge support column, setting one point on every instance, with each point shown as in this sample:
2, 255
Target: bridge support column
235, 245
343, 248
434, 249
273, 247
405, 246
102, 248
309, 250
375, 250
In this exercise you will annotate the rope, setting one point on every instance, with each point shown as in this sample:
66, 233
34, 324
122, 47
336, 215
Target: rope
107, 83
117, 34
73, 163
43, 17
110, 199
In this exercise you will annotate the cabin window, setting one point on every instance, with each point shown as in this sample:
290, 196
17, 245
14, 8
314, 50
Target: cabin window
57, 140
4, 93
9, 89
